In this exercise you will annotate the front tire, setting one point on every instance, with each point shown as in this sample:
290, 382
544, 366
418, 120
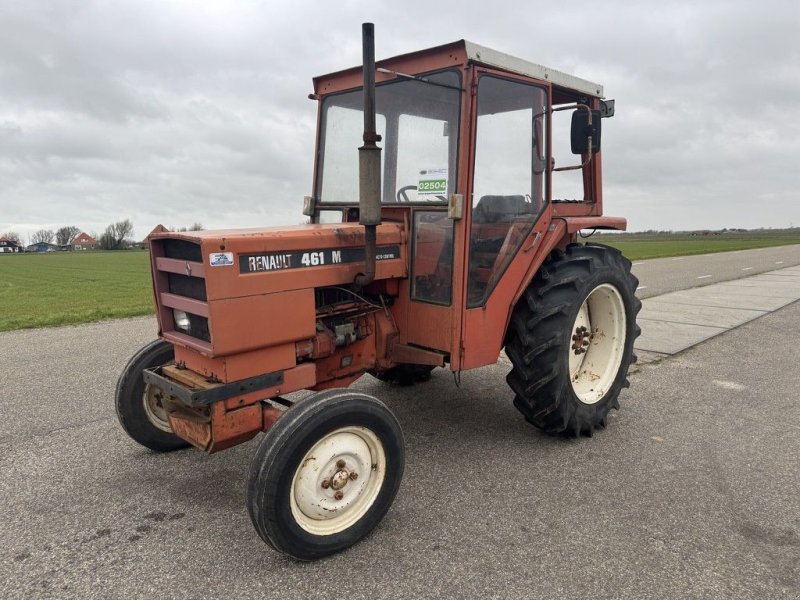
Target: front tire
325, 474
571, 339
139, 405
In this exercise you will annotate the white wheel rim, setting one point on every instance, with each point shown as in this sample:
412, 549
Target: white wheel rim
597, 343
154, 409
338, 480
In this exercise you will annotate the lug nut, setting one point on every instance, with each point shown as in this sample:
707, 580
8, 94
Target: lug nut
326, 483
339, 495
353, 476
340, 463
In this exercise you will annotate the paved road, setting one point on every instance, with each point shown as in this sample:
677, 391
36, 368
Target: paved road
692, 491
661, 275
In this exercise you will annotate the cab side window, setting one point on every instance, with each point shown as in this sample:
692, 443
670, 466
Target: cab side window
508, 181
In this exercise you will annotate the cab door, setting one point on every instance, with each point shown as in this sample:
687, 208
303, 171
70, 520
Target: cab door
508, 201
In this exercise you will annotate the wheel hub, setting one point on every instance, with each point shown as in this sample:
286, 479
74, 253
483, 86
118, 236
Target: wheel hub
154, 408
338, 480
581, 340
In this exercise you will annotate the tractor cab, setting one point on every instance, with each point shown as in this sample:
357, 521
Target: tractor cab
467, 165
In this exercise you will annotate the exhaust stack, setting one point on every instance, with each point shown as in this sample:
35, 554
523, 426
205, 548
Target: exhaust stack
369, 161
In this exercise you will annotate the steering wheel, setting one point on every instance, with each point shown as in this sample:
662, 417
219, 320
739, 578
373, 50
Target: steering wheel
402, 194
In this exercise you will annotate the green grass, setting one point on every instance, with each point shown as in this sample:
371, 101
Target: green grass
643, 246
61, 288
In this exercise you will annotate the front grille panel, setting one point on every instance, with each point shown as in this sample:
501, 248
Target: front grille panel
180, 277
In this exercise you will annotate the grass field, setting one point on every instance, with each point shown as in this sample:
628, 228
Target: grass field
640, 246
39, 290
59, 288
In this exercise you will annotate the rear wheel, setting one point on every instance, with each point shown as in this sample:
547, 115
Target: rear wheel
139, 406
571, 339
325, 474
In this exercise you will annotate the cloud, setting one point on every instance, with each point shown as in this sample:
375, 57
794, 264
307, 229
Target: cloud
177, 112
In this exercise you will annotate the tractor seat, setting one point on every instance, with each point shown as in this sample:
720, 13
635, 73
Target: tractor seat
501, 209
491, 220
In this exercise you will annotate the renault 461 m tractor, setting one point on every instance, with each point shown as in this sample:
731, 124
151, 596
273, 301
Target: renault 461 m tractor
435, 241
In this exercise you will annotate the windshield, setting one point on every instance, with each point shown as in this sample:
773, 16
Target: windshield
418, 125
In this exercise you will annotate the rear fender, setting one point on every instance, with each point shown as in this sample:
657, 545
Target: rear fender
562, 232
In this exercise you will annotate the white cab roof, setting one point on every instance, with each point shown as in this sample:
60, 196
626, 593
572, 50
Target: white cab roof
493, 58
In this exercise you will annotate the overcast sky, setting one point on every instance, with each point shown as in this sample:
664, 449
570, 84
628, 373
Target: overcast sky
176, 112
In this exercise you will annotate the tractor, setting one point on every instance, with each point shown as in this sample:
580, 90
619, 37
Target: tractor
435, 241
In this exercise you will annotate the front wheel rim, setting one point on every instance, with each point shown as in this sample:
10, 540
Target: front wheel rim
597, 343
154, 408
338, 480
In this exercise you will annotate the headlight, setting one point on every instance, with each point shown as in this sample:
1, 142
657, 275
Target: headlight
182, 322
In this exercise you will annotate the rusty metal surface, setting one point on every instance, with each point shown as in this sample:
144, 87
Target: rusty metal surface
237, 366
203, 393
575, 224
403, 353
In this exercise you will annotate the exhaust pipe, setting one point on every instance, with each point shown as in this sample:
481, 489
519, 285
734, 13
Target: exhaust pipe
369, 161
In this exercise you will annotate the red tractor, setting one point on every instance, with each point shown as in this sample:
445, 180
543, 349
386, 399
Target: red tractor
437, 245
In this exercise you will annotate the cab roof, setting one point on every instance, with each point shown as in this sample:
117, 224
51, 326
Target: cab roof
458, 53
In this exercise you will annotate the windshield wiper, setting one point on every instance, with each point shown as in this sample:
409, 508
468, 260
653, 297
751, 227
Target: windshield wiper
418, 78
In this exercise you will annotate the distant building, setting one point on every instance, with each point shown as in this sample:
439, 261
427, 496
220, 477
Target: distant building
83, 241
9, 245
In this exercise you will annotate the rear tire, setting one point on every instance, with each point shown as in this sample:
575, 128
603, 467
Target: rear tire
138, 405
571, 339
325, 474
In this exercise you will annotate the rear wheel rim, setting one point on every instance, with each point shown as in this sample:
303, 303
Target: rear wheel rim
597, 343
338, 481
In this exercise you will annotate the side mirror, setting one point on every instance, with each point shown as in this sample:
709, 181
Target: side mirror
581, 131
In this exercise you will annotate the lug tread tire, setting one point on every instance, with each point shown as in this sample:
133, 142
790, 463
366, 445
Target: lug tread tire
284, 446
539, 337
128, 399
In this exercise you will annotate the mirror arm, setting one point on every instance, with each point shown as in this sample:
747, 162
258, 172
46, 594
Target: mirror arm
580, 106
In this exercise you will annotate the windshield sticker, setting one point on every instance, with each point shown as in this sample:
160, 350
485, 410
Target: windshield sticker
432, 183
220, 259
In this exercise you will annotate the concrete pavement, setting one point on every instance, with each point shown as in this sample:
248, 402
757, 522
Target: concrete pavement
676, 321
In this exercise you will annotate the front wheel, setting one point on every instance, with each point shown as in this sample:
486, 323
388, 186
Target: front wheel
139, 405
571, 339
325, 474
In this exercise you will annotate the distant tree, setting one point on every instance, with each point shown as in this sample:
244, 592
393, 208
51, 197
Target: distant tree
193, 227
66, 234
11, 235
117, 235
43, 236
106, 240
